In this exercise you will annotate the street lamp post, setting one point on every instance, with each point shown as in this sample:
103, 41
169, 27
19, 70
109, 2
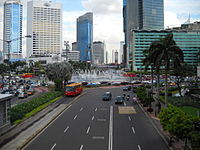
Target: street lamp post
8, 52
10, 41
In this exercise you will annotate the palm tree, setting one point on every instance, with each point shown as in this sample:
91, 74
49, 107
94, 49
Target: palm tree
150, 60
167, 53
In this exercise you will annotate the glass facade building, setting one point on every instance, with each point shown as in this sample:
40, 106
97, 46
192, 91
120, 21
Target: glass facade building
151, 14
85, 36
188, 41
141, 15
12, 28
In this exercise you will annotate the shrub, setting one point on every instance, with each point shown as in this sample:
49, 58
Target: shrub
19, 111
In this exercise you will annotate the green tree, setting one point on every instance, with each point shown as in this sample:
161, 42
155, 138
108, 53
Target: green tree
3, 69
59, 73
166, 54
16, 64
181, 72
179, 124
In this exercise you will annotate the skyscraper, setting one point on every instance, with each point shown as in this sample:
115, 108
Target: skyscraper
12, 29
44, 23
85, 36
140, 15
145, 14
98, 52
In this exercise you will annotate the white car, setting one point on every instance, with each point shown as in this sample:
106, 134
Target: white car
22, 95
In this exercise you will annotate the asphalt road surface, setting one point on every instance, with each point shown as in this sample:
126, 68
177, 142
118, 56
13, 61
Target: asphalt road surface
93, 124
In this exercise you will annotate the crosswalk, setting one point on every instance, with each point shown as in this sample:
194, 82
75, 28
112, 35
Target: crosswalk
126, 110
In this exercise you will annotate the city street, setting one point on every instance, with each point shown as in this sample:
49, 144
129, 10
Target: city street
91, 123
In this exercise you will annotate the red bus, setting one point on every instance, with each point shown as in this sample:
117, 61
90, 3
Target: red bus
27, 75
73, 89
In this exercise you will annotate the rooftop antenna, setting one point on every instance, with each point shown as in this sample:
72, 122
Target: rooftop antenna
188, 21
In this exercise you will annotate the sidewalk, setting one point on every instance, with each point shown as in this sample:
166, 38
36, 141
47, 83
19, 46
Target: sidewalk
175, 145
18, 134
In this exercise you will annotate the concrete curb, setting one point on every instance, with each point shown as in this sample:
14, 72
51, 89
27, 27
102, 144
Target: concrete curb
49, 123
154, 125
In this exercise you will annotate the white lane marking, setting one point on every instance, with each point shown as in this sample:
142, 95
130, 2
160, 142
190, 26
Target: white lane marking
75, 117
53, 146
69, 106
98, 137
129, 118
88, 130
110, 142
81, 109
103, 109
139, 148
124, 104
66, 129
95, 109
92, 117
133, 130
101, 120
81, 147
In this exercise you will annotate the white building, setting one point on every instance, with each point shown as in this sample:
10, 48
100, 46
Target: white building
73, 56
121, 51
44, 23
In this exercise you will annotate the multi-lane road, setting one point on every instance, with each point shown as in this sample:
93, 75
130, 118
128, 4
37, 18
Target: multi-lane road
93, 124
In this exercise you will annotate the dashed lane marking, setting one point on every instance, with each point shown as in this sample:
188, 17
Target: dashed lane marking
53, 146
98, 137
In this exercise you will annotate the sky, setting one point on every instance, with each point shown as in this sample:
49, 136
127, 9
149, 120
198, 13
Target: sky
108, 21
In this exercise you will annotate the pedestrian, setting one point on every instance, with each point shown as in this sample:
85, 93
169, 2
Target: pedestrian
128, 97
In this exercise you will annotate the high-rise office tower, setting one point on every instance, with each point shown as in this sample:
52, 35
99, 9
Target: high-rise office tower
44, 23
85, 36
141, 15
145, 14
98, 52
12, 31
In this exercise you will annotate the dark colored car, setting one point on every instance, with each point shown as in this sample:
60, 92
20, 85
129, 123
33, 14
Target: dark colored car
119, 100
127, 88
107, 96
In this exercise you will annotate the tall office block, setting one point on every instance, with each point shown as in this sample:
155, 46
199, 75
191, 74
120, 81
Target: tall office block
145, 14
141, 15
98, 52
12, 29
121, 52
44, 23
85, 36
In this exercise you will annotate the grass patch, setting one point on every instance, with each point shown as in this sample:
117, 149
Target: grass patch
36, 110
190, 110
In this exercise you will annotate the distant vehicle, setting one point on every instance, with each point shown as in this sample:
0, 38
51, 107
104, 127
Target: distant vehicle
105, 83
30, 91
127, 88
107, 96
22, 95
27, 75
119, 100
73, 89
116, 83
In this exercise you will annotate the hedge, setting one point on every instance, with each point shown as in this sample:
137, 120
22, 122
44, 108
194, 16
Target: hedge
19, 111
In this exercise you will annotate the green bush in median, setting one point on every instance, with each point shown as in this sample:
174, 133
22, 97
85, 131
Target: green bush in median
19, 111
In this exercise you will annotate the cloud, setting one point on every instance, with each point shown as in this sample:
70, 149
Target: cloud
179, 11
103, 6
171, 20
107, 22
